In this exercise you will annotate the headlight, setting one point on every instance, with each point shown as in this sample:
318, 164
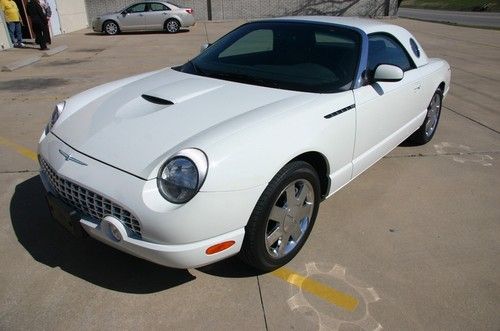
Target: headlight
182, 175
55, 115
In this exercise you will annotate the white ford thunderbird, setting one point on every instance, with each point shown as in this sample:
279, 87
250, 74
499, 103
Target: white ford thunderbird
233, 151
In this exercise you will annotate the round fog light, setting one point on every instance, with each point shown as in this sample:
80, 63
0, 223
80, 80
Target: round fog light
115, 232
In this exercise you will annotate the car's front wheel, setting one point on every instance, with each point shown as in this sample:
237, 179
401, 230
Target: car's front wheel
282, 218
172, 26
111, 28
426, 131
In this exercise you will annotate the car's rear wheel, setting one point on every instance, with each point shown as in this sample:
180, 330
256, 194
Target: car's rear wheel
427, 130
282, 218
110, 28
172, 26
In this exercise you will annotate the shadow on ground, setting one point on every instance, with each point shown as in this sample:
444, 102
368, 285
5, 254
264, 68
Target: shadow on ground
136, 33
230, 268
87, 259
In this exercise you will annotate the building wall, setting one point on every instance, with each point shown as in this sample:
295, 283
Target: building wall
72, 15
248, 9
4, 33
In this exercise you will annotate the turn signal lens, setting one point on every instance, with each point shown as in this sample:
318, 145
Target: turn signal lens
219, 247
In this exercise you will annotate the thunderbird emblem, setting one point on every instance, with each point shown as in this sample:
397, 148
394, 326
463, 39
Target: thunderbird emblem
68, 157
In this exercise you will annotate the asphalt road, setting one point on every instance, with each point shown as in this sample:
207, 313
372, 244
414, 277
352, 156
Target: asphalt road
479, 19
415, 240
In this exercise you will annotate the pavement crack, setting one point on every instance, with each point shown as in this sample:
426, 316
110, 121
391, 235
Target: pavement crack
439, 154
471, 119
262, 304
19, 171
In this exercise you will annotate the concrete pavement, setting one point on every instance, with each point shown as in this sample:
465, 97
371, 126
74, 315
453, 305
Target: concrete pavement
415, 239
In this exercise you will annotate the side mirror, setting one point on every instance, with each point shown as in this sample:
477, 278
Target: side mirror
204, 47
388, 73
124, 13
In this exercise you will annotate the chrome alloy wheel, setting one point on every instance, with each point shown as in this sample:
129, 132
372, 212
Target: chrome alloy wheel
433, 115
172, 26
289, 218
111, 28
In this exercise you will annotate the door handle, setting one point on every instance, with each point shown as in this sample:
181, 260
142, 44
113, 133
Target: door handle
141, 15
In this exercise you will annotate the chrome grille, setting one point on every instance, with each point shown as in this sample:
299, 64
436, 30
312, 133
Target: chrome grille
88, 202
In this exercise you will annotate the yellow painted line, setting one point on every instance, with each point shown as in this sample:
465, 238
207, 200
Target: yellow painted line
26, 152
329, 294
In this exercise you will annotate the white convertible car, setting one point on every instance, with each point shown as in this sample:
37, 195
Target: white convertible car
233, 151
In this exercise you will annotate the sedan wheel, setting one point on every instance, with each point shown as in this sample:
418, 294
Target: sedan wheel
111, 28
172, 26
283, 217
427, 130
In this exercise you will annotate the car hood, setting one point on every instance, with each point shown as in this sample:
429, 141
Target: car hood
133, 125
109, 14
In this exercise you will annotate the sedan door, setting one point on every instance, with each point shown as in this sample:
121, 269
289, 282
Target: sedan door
133, 18
156, 16
386, 112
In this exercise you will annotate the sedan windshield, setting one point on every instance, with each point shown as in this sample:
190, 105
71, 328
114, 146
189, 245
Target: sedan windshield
296, 56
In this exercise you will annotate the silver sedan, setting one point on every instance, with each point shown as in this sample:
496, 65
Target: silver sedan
145, 16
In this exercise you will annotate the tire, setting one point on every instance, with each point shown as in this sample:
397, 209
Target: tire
277, 228
427, 130
172, 25
110, 28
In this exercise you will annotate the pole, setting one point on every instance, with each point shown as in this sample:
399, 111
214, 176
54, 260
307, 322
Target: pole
209, 9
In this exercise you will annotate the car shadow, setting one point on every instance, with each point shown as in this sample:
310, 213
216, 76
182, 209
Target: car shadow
88, 259
230, 268
136, 33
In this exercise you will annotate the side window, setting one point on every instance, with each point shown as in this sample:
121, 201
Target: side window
158, 7
139, 8
384, 49
254, 42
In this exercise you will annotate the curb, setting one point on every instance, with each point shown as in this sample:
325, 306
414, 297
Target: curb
55, 50
21, 63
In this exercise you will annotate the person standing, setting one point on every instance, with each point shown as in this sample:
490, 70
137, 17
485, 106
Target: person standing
48, 13
39, 22
13, 20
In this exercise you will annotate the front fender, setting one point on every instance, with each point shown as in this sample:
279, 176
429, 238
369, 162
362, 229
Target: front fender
252, 156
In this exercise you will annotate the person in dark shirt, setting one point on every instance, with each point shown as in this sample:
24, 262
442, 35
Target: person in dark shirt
48, 13
39, 22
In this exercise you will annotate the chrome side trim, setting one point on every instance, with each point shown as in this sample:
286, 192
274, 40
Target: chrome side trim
340, 111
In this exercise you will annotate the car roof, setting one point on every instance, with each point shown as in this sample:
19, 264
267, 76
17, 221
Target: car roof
157, 1
368, 26
365, 24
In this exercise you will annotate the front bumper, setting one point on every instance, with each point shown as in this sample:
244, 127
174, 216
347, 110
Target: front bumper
171, 235
97, 26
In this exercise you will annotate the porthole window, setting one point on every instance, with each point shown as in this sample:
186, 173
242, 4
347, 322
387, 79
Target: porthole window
414, 47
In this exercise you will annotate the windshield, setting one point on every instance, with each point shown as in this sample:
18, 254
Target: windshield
295, 56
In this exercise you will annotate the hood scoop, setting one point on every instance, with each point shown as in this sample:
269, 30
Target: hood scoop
137, 107
181, 91
157, 100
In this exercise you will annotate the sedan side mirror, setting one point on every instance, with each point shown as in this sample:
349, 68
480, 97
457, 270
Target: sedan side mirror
388, 73
124, 13
204, 47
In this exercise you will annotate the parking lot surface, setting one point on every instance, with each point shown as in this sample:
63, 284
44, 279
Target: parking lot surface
412, 244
